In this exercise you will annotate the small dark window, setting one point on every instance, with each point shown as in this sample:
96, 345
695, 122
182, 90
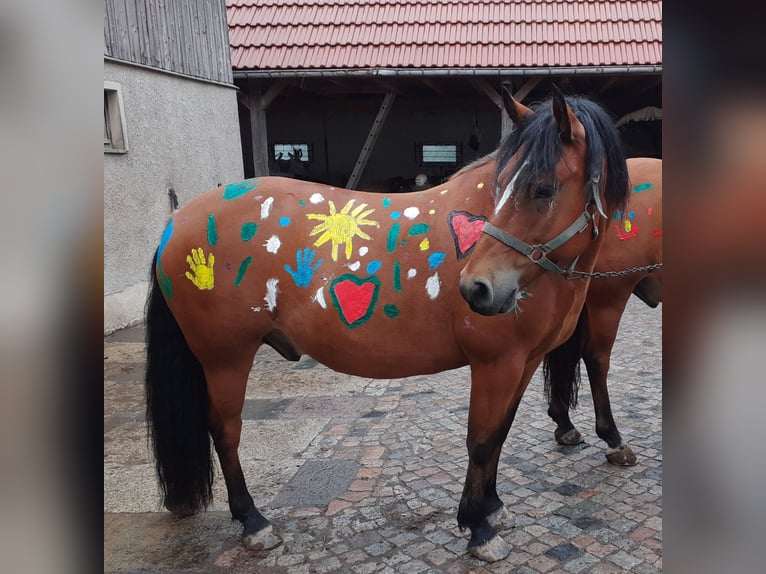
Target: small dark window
115, 135
300, 151
439, 153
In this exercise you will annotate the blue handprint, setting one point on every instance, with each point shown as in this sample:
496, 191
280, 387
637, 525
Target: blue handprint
303, 269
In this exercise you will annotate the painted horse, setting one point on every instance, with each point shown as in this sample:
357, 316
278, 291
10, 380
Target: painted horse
629, 263
377, 286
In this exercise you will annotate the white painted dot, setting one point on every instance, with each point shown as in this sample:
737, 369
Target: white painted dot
319, 298
354, 266
433, 285
363, 251
266, 207
271, 294
273, 244
411, 212
411, 273
316, 198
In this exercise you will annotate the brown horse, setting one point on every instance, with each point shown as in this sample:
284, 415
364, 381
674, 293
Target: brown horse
629, 263
371, 285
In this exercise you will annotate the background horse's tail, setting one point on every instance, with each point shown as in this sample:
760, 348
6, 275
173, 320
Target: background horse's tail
561, 368
176, 410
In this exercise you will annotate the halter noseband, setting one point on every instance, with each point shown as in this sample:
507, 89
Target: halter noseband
538, 253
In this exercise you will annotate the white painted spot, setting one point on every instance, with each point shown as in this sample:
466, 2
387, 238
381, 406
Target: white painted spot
319, 298
255, 309
316, 198
273, 244
433, 285
411, 273
354, 266
411, 212
363, 251
271, 294
266, 207
508, 190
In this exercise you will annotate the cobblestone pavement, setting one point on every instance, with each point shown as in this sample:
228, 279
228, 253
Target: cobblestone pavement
362, 475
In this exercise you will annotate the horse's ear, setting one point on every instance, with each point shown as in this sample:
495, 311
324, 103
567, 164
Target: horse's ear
515, 109
566, 121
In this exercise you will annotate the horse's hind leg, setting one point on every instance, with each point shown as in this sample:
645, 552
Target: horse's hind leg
604, 320
226, 388
562, 380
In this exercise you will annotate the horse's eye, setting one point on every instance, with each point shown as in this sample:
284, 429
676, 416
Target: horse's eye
545, 192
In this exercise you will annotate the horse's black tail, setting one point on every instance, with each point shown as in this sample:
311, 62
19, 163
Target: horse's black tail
561, 368
176, 410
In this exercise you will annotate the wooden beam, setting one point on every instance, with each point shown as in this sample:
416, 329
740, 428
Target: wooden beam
372, 137
608, 84
258, 129
271, 93
430, 83
524, 90
483, 86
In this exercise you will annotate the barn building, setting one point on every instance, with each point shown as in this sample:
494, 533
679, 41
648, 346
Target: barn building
390, 95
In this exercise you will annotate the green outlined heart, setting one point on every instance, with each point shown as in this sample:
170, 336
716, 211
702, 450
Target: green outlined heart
355, 298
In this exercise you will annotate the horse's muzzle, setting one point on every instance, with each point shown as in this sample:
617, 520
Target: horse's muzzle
487, 299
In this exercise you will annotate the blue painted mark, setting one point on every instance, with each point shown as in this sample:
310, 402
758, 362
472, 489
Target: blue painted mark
643, 187
212, 233
632, 214
301, 202
235, 190
249, 230
386, 201
396, 214
165, 238
617, 215
284, 221
373, 267
435, 259
303, 267
419, 229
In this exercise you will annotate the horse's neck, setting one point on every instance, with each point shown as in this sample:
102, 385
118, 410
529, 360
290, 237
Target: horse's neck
477, 180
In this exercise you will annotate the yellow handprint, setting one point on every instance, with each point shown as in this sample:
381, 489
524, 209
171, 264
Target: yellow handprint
202, 276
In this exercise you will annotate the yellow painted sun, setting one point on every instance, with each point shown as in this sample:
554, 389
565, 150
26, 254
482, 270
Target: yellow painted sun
341, 227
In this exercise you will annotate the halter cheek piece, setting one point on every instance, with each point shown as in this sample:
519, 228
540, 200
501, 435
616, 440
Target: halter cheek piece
538, 253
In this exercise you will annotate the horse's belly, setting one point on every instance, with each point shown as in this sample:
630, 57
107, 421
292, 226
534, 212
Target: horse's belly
381, 351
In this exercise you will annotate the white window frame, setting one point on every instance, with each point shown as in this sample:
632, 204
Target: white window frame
114, 119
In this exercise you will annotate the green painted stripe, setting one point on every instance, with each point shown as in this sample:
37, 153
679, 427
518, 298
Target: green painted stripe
393, 235
241, 272
212, 234
397, 277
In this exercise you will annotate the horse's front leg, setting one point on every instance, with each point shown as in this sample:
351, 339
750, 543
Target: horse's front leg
495, 396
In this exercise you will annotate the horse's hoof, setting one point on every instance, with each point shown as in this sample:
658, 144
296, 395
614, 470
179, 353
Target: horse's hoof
180, 510
623, 455
572, 436
264, 539
499, 517
492, 550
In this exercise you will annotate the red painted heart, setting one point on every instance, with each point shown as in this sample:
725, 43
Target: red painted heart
465, 229
355, 298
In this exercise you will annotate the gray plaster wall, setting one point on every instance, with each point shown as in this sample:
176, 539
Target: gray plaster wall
182, 134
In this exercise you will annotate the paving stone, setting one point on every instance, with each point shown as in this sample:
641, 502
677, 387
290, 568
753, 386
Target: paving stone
376, 485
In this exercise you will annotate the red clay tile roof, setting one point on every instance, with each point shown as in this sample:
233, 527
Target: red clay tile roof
333, 34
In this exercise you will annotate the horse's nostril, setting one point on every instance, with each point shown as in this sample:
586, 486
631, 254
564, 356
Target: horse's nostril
481, 292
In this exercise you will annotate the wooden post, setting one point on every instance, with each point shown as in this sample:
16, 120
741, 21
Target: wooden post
258, 131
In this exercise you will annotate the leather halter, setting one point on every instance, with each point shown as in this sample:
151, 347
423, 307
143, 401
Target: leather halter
538, 253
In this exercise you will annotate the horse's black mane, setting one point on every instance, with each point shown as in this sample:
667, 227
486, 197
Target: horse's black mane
539, 146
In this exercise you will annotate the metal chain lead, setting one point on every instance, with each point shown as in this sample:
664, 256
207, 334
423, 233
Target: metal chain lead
621, 273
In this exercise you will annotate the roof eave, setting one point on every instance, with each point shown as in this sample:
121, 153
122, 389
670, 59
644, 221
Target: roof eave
435, 72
